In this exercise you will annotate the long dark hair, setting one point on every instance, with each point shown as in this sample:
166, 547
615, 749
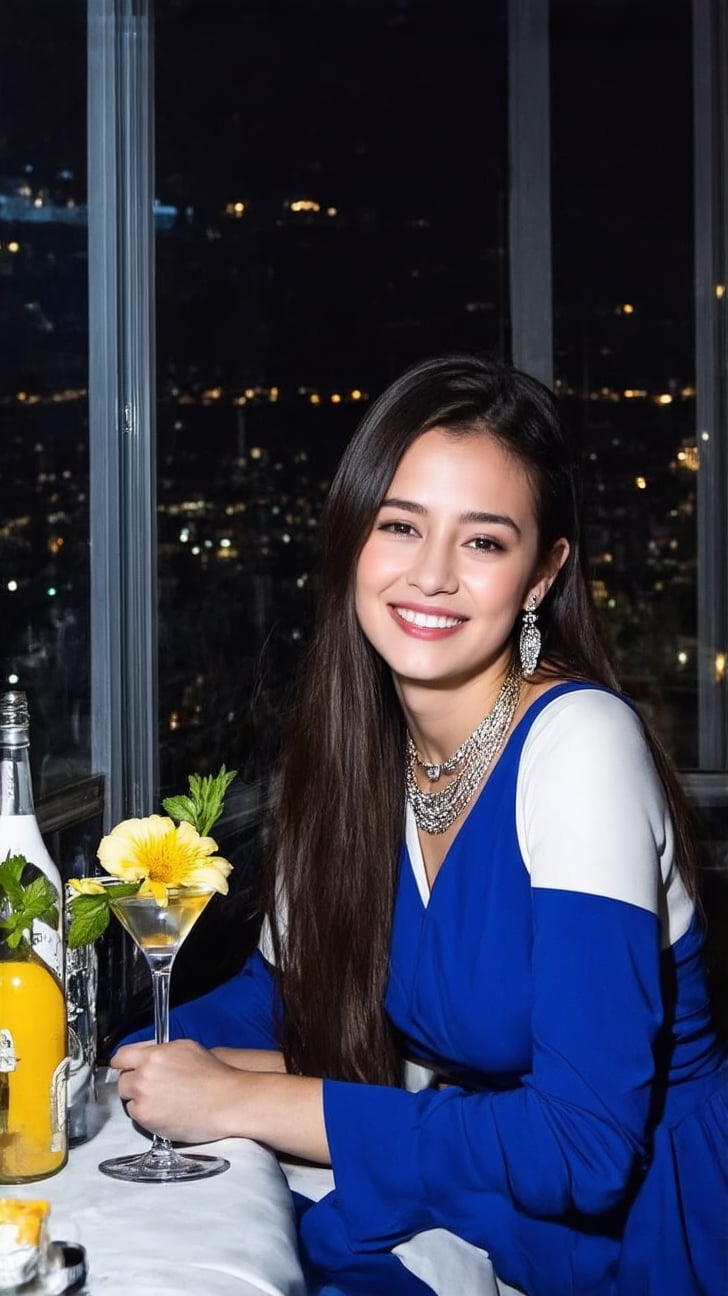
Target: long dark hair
339, 812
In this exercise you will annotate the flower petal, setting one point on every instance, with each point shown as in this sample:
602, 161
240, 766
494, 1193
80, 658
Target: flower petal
155, 891
164, 854
86, 886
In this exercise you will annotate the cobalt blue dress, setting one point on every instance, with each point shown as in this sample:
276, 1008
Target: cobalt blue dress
581, 1138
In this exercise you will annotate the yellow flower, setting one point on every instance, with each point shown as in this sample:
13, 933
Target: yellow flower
86, 886
161, 854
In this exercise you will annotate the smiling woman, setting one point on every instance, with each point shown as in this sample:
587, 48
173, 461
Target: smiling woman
511, 906
452, 559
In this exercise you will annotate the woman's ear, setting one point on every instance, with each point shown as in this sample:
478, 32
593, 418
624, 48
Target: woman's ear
548, 570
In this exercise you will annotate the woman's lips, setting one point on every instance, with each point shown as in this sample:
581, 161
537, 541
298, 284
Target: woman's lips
430, 623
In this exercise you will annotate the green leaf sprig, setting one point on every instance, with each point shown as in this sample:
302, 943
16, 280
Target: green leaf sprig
90, 912
204, 805
22, 905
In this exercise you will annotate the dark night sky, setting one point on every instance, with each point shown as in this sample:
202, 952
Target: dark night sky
393, 103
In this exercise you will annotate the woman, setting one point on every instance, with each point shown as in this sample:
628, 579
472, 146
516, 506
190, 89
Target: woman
533, 940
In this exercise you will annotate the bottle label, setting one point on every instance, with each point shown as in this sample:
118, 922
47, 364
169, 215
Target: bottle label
47, 945
59, 1103
8, 1058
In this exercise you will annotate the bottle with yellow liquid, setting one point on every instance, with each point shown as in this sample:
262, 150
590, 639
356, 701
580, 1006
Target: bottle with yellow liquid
33, 1038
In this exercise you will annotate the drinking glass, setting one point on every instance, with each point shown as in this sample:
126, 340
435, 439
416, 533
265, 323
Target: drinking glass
159, 932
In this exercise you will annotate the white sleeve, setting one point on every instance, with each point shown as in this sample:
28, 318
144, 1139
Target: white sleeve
591, 813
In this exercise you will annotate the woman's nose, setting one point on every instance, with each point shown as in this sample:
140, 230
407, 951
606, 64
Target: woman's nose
432, 570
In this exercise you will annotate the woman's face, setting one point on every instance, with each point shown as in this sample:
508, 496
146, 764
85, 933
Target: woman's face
451, 560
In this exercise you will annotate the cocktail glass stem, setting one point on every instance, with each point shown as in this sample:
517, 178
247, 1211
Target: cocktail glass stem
161, 1154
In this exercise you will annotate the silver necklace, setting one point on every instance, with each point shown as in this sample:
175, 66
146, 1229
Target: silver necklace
435, 812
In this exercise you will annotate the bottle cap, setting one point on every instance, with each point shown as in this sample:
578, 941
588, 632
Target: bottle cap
14, 721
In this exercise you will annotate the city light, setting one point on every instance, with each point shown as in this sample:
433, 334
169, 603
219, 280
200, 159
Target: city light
304, 205
12, 585
664, 398
720, 664
720, 291
640, 483
682, 658
627, 309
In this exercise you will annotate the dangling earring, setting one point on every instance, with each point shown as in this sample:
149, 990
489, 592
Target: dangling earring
530, 643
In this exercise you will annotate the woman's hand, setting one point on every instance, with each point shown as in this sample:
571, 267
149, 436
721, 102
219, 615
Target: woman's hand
179, 1090
187, 1093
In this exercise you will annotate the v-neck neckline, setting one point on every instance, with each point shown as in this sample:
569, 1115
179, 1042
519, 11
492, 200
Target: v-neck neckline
411, 836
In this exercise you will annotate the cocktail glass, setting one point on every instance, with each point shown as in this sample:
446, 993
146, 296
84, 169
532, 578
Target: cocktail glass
159, 931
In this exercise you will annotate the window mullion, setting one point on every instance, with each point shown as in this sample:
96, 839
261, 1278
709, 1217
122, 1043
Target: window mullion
122, 430
710, 91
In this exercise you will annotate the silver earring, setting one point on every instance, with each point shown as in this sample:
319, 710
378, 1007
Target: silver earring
530, 642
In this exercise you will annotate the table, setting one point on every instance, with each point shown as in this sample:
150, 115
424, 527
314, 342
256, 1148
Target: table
232, 1235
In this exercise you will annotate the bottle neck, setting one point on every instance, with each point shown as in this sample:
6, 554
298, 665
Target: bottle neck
16, 786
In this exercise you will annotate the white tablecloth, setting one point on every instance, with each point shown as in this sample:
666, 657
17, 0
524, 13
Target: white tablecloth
232, 1235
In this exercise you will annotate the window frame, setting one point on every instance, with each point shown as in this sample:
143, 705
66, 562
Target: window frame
122, 384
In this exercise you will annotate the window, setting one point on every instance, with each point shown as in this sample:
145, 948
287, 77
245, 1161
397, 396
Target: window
624, 333
44, 588
334, 183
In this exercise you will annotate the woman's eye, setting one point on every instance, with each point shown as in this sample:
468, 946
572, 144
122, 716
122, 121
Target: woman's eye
397, 528
484, 544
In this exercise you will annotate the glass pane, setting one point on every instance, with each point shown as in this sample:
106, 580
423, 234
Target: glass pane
624, 330
333, 190
43, 380
334, 178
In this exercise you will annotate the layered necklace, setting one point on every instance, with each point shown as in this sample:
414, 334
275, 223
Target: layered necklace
435, 812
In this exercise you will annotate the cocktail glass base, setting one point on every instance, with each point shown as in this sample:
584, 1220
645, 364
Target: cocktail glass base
163, 1165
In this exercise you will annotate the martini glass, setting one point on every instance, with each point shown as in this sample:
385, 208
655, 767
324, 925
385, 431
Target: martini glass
159, 933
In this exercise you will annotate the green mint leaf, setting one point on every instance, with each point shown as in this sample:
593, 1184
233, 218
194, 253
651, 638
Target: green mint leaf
89, 919
204, 805
40, 901
89, 914
24, 904
11, 871
181, 808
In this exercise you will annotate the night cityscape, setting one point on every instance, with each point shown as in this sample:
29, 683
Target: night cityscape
310, 245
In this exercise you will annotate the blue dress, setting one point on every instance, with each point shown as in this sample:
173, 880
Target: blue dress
581, 1138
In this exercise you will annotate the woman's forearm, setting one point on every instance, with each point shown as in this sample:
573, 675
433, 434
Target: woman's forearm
185, 1092
251, 1059
286, 1112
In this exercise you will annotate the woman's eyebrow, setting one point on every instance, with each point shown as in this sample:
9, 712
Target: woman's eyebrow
488, 519
491, 519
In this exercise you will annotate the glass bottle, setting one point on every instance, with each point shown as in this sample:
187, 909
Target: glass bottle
19, 831
33, 1067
